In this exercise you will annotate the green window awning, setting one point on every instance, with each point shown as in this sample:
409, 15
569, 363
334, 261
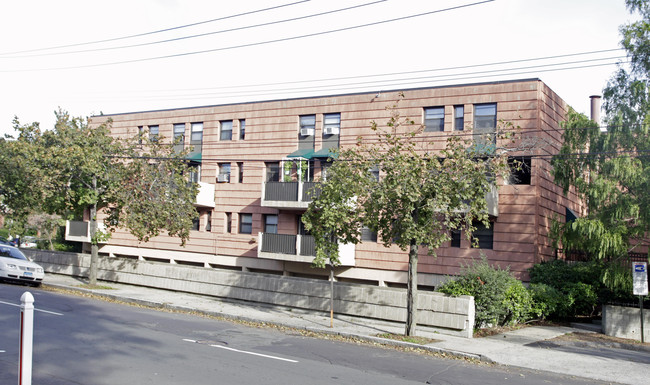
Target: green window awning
324, 154
195, 156
306, 153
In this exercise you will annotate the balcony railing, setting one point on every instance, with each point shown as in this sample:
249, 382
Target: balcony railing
79, 231
295, 195
297, 248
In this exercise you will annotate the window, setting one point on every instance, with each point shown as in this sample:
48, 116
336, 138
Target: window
140, 134
484, 235
272, 171
179, 136
271, 223
153, 133
242, 129
331, 124
368, 235
196, 222
224, 172
195, 172
520, 170
208, 223
374, 173
196, 138
455, 238
226, 130
459, 118
307, 125
228, 226
485, 124
240, 168
434, 119
323, 167
245, 223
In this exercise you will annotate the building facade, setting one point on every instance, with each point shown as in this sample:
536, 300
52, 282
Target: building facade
258, 164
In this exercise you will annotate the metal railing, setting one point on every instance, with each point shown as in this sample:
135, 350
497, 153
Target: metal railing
78, 229
281, 191
288, 244
279, 243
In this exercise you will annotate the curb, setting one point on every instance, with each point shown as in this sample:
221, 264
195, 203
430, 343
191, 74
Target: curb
377, 340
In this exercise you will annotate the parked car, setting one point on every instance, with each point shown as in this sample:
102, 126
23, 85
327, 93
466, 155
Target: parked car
28, 242
15, 267
5, 241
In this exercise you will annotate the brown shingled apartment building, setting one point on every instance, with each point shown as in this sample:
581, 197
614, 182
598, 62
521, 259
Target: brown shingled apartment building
256, 161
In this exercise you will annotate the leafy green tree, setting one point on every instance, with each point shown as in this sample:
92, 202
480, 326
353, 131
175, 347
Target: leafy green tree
141, 185
612, 172
46, 225
419, 195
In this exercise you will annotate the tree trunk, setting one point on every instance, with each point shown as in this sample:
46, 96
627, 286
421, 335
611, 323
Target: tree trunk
94, 250
412, 290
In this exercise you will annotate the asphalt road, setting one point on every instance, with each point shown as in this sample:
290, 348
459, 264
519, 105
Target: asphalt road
79, 340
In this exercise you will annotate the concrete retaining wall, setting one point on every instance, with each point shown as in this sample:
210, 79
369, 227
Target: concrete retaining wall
449, 315
625, 322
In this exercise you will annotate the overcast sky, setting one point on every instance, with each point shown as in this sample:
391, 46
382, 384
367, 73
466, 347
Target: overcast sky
89, 56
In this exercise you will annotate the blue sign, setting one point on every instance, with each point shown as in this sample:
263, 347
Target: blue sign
639, 268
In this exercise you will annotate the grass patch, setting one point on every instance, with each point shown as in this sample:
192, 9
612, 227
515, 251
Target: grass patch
94, 287
411, 339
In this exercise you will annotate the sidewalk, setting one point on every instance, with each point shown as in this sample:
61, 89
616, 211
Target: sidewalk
526, 348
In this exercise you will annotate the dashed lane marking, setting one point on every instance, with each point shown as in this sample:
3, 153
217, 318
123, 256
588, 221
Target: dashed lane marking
245, 352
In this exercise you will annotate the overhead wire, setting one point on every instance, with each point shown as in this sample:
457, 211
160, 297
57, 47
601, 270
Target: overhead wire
206, 33
253, 44
156, 31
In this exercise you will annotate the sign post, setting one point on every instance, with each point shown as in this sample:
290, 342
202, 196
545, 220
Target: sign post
640, 281
26, 338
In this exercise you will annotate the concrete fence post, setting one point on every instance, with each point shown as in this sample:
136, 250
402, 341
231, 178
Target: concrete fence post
26, 338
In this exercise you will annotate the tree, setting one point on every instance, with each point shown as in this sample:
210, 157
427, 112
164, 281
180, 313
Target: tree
46, 225
141, 185
611, 169
418, 196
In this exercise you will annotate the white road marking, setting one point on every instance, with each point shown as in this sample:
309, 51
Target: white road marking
253, 353
245, 352
42, 311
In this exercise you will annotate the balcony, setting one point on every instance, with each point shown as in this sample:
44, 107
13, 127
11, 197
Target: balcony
289, 195
297, 248
205, 197
79, 231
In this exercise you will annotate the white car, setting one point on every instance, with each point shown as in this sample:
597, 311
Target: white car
14, 266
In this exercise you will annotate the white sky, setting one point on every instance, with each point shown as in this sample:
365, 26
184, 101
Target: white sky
34, 84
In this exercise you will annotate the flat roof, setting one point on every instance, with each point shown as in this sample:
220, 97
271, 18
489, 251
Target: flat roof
324, 96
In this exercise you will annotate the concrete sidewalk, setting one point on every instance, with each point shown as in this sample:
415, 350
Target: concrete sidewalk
527, 348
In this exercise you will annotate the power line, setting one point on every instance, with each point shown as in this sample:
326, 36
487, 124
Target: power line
207, 33
385, 84
156, 31
257, 43
411, 80
403, 73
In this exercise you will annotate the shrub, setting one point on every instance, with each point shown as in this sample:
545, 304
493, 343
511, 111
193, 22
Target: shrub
499, 297
578, 284
546, 300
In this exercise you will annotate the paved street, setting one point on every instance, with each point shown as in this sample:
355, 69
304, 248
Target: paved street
84, 341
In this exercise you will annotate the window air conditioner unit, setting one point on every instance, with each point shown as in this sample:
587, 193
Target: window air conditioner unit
331, 131
306, 131
223, 178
